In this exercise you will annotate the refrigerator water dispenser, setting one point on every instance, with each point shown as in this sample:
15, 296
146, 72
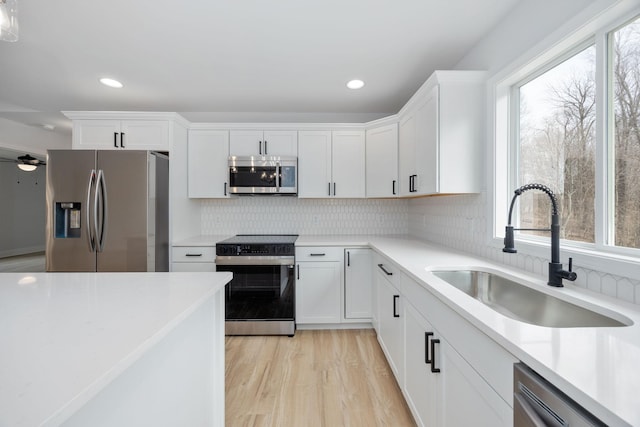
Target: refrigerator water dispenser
67, 219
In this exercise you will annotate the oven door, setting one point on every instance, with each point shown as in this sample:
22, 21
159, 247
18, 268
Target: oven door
260, 299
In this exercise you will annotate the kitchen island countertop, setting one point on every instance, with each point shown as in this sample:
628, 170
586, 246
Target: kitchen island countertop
66, 336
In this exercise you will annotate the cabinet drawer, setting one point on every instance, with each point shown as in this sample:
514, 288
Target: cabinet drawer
319, 253
194, 254
388, 270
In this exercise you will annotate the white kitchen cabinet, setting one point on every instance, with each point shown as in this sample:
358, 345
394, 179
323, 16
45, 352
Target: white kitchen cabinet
441, 133
193, 258
390, 321
422, 387
382, 161
358, 284
263, 143
318, 285
107, 134
208, 153
331, 164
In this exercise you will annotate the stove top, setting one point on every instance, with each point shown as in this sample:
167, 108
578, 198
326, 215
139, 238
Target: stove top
257, 245
261, 239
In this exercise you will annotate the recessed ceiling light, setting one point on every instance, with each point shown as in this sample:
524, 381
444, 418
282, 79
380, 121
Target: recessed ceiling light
355, 84
111, 82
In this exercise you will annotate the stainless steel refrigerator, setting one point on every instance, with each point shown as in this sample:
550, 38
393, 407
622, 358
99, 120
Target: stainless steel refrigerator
107, 211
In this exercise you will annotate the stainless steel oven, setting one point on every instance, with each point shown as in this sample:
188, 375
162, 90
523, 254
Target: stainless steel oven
260, 299
266, 175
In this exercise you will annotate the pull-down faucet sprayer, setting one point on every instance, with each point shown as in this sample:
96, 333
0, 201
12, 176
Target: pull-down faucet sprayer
556, 273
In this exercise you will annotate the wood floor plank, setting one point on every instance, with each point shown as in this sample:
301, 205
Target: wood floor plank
325, 378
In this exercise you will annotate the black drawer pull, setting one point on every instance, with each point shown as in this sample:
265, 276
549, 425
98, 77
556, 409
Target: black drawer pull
317, 254
388, 273
192, 255
395, 305
427, 359
433, 355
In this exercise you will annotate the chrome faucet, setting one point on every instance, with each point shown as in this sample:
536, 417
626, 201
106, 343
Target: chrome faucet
556, 273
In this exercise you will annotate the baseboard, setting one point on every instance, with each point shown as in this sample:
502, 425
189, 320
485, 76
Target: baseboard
318, 326
21, 251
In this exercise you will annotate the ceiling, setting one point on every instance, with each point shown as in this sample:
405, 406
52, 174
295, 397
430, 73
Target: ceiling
288, 59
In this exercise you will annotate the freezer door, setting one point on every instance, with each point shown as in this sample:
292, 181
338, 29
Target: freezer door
69, 236
123, 244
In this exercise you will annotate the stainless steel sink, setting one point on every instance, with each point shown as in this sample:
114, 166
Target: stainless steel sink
523, 303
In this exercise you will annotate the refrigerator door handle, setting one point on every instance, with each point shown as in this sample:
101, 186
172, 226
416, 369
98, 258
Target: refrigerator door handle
91, 232
100, 204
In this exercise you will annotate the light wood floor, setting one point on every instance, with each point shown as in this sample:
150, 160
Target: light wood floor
329, 378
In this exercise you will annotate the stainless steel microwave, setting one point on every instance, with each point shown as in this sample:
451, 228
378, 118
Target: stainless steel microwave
263, 175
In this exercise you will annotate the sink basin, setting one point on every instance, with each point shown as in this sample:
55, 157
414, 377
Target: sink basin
523, 303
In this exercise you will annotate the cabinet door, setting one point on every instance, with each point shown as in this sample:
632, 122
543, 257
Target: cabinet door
357, 283
391, 326
382, 161
280, 143
463, 387
246, 143
318, 292
314, 164
348, 164
96, 134
426, 153
406, 150
208, 153
145, 134
421, 385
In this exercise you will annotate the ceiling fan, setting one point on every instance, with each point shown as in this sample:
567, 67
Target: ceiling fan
26, 163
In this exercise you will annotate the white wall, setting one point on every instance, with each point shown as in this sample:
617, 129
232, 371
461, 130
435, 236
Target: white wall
22, 210
31, 139
461, 222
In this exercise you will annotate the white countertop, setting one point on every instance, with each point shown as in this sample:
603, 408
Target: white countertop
597, 367
65, 336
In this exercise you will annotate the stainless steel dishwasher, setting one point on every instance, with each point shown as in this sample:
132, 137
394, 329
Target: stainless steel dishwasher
538, 403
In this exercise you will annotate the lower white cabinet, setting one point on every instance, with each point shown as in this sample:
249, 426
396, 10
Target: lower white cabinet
357, 284
318, 285
390, 323
193, 258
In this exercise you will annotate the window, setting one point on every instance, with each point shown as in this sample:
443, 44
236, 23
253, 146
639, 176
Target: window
625, 144
576, 128
557, 146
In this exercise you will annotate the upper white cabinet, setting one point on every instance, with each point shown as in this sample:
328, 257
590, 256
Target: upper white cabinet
440, 135
263, 143
208, 153
382, 161
121, 134
331, 164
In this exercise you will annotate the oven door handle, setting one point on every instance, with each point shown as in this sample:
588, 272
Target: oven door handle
255, 260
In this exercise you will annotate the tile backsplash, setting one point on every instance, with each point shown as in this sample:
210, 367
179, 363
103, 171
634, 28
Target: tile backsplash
460, 222
290, 215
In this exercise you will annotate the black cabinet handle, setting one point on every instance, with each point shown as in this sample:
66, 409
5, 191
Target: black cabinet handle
122, 139
395, 305
265, 148
298, 271
388, 273
433, 355
260, 147
323, 254
427, 359
334, 188
115, 139
329, 188
192, 255
225, 188
348, 259
393, 187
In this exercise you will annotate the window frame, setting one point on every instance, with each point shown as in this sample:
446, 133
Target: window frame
503, 91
